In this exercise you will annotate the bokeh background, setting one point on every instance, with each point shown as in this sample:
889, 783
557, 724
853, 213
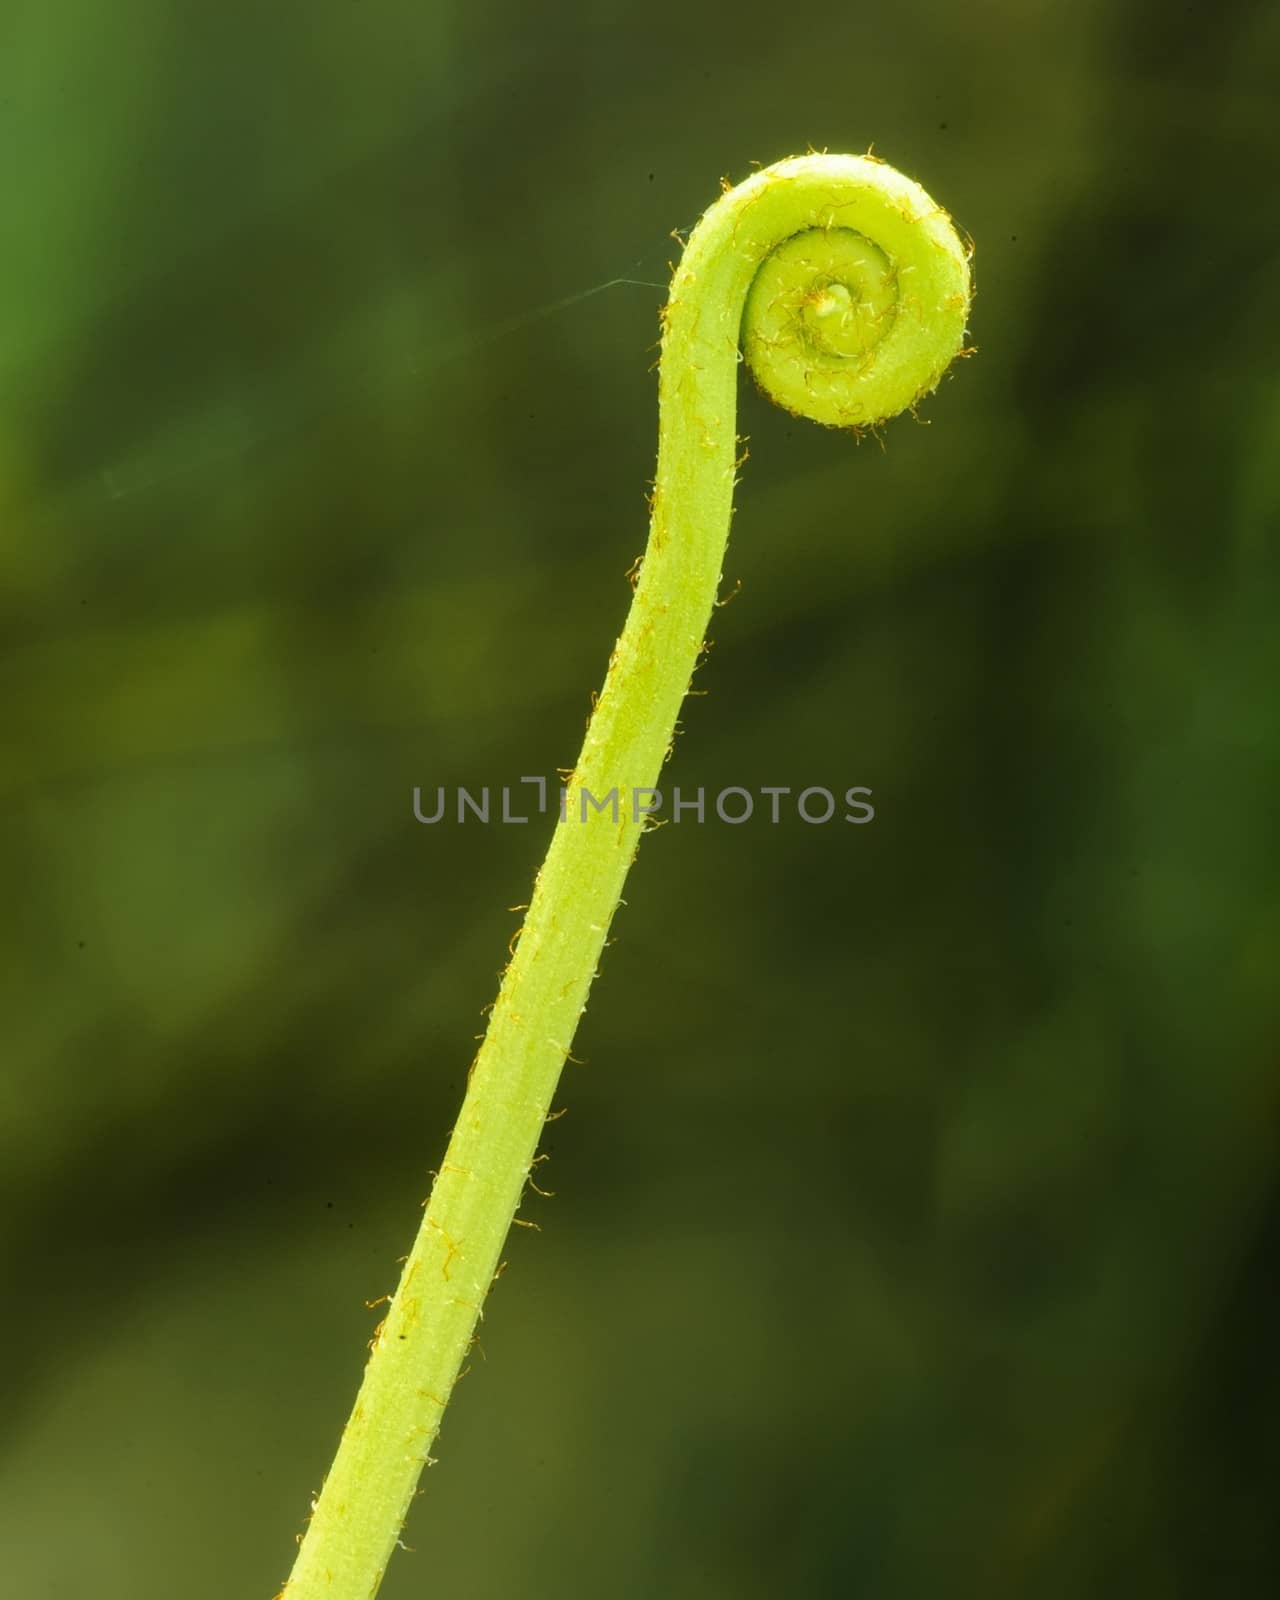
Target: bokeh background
917, 1210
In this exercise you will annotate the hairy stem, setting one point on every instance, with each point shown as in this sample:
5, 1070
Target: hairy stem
848, 291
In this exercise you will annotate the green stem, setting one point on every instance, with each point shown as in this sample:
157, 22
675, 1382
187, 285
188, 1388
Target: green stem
849, 291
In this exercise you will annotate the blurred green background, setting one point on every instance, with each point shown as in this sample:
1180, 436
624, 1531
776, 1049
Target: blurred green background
918, 1218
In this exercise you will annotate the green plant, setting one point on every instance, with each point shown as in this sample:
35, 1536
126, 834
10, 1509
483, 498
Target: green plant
849, 291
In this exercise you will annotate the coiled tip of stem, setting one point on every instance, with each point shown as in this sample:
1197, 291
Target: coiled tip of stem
861, 293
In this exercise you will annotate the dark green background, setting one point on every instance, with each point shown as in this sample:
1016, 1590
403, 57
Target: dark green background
917, 1214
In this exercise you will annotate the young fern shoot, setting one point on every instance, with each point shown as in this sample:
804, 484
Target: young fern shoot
848, 291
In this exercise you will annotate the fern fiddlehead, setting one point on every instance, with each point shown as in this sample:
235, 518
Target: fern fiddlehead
848, 291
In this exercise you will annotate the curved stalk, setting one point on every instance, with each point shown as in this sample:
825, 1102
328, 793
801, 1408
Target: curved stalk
849, 291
